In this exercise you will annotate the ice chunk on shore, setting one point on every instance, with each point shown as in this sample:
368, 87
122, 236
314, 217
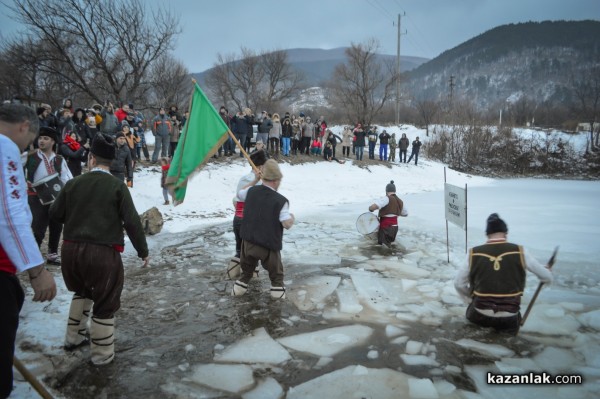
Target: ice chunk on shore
418, 360
224, 377
269, 388
422, 388
407, 284
540, 322
413, 347
347, 298
324, 361
354, 382
393, 331
313, 291
591, 319
554, 360
492, 350
513, 365
330, 341
258, 348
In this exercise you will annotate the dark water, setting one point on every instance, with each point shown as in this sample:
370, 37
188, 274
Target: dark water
166, 309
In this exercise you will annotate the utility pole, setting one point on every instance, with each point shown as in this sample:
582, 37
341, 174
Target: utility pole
398, 73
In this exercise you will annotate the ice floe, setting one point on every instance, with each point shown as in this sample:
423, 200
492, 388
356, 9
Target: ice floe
257, 348
328, 342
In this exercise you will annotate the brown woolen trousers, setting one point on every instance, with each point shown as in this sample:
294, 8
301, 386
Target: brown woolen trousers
270, 260
94, 272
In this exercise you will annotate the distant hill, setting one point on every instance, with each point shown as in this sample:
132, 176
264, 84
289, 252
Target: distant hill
317, 65
533, 60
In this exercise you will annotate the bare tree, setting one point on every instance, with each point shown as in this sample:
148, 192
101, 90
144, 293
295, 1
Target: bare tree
170, 82
236, 79
363, 85
219, 83
281, 80
92, 47
253, 80
586, 89
427, 110
18, 70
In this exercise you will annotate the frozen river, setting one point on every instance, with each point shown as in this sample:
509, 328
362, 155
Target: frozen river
360, 321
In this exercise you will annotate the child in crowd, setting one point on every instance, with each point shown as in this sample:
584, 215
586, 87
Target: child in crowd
165, 163
328, 153
315, 147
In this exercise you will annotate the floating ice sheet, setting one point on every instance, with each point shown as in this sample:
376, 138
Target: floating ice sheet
418, 360
309, 293
492, 350
258, 348
232, 378
555, 360
348, 299
543, 320
354, 382
591, 319
268, 388
422, 388
330, 341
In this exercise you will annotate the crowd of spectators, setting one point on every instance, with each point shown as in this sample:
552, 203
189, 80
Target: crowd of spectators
284, 136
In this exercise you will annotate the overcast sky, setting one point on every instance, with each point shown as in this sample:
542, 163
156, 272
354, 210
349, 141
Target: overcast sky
433, 26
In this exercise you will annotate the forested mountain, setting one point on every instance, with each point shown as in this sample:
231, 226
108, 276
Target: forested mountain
534, 60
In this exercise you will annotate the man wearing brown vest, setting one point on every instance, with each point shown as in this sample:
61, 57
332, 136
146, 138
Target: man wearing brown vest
493, 279
390, 207
266, 214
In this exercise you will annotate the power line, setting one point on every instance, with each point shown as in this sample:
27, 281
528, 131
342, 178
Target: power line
420, 35
382, 7
399, 6
417, 39
383, 11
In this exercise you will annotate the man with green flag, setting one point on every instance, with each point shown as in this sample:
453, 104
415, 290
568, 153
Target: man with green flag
203, 134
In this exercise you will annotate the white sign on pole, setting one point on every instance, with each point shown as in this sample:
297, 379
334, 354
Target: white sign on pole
456, 210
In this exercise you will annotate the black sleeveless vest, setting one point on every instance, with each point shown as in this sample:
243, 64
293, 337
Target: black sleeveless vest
497, 269
261, 225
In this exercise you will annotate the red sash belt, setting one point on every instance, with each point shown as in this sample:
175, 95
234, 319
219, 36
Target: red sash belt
239, 209
387, 221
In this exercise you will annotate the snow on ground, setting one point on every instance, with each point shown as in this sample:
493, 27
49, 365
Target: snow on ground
388, 291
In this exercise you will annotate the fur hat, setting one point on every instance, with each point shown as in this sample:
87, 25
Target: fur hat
390, 188
271, 171
103, 146
258, 157
124, 123
495, 225
49, 132
120, 134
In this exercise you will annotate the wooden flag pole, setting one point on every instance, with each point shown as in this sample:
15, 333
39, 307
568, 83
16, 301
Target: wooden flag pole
236, 141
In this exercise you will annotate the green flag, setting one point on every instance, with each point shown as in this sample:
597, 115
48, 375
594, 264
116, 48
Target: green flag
204, 132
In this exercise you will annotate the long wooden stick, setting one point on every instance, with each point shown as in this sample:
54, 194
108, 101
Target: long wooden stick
31, 379
539, 288
236, 141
